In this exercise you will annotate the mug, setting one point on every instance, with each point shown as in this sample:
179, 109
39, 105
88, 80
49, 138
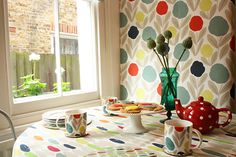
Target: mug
75, 123
106, 102
178, 137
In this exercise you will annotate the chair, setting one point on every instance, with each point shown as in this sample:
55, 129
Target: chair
10, 122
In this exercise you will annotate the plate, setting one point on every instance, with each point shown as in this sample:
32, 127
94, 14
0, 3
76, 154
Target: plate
53, 126
49, 119
54, 120
54, 115
143, 112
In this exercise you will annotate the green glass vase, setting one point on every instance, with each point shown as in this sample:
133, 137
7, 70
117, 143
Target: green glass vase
168, 89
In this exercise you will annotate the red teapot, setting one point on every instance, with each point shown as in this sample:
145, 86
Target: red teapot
203, 115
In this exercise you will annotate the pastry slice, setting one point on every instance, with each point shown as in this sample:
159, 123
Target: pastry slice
131, 109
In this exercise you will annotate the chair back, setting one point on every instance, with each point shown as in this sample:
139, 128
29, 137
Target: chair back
10, 123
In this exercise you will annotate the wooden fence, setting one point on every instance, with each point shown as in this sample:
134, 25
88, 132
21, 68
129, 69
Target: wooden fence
45, 69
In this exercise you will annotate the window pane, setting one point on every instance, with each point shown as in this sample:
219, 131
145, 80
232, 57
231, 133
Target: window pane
69, 45
30, 33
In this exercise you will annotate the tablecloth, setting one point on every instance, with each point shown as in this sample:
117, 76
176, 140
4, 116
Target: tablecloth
106, 138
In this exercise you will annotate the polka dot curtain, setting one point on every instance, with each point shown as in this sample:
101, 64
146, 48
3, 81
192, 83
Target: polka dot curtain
206, 69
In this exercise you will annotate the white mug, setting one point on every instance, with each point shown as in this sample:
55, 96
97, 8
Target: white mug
178, 137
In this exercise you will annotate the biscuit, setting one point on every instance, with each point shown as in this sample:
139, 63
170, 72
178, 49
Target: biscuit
147, 106
158, 108
131, 109
115, 107
128, 104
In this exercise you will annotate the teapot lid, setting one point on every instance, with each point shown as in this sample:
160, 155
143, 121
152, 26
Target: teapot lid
202, 102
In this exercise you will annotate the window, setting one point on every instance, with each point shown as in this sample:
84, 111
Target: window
105, 62
52, 46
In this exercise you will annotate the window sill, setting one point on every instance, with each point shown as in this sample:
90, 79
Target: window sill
48, 103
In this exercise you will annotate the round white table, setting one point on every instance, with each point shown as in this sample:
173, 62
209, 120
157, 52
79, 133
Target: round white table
107, 138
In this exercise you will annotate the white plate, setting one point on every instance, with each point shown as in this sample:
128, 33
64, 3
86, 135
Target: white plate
54, 120
53, 126
54, 115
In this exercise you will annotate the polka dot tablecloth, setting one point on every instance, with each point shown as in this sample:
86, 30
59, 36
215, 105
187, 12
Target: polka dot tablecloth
206, 69
106, 138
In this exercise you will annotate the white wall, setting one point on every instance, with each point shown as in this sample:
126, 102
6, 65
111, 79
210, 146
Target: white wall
111, 83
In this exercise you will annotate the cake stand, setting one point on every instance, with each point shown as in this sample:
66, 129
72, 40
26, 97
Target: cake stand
135, 122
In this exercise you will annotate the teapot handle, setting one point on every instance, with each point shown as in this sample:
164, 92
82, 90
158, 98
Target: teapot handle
228, 119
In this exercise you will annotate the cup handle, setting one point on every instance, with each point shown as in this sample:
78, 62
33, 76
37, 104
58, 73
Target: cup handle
57, 120
200, 139
89, 122
229, 118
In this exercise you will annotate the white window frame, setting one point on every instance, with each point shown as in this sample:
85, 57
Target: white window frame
107, 47
62, 36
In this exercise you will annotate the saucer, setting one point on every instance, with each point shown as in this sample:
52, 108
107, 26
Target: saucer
76, 135
178, 154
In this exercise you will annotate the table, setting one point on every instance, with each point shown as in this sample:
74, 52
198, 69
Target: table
106, 138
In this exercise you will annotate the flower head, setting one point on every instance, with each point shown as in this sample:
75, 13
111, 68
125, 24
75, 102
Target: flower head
163, 49
34, 57
151, 44
160, 39
187, 43
167, 34
167, 47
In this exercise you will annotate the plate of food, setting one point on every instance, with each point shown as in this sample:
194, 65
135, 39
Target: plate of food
134, 112
135, 108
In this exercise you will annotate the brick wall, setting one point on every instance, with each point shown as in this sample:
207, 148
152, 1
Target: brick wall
31, 24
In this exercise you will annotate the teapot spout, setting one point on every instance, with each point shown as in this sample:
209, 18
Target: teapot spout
179, 108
